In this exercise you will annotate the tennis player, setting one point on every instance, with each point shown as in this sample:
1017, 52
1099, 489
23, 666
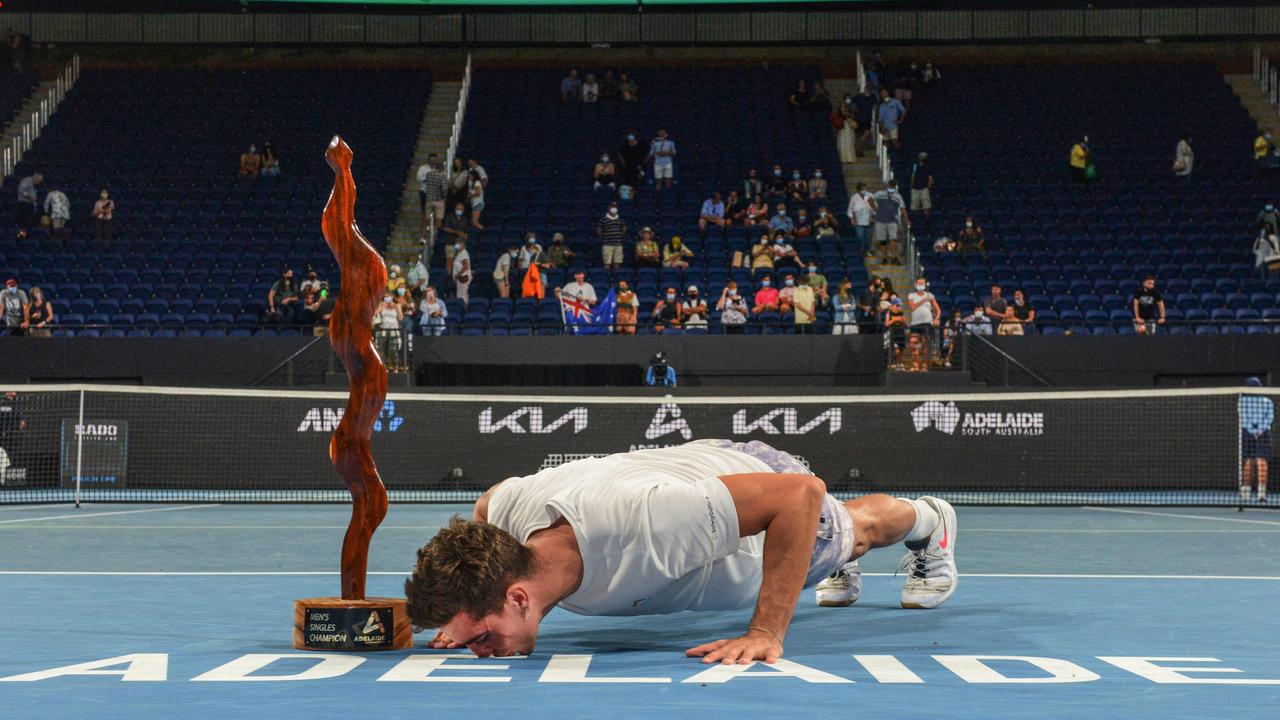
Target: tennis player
709, 525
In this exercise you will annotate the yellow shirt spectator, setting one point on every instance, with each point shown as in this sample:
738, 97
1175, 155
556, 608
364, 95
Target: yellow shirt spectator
803, 301
1261, 147
1079, 156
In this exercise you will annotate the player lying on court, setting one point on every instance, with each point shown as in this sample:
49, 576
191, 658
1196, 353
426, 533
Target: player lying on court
710, 525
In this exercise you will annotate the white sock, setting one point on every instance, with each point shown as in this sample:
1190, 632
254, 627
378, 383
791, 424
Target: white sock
926, 521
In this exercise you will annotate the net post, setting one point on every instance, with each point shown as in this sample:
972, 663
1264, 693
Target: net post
79, 446
1240, 457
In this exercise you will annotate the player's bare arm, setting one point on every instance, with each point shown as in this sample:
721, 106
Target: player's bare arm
786, 508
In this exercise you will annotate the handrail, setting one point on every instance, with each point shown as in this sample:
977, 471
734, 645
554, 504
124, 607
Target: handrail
862, 71
39, 118
286, 361
458, 115
1008, 359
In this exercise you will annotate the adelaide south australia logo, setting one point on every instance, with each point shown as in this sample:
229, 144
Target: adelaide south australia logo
949, 419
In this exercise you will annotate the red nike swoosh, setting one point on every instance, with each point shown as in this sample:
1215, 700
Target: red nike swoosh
943, 542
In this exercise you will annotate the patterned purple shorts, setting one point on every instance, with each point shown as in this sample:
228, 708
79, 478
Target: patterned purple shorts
834, 546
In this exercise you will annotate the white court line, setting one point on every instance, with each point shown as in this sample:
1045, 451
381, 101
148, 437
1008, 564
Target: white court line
1181, 515
113, 512
21, 508
292, 573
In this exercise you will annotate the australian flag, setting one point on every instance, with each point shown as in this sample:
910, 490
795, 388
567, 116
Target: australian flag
583, 320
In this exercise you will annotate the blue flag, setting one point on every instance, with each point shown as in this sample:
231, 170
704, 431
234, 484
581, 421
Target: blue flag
583, 320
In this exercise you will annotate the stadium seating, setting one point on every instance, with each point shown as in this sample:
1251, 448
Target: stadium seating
998, 138
193, 245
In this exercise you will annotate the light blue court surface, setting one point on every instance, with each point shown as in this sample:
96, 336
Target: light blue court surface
191, 591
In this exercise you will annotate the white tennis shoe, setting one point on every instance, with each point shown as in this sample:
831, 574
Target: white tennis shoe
931, 567
841, 588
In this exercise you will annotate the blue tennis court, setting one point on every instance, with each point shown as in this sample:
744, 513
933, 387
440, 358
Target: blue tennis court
128, 611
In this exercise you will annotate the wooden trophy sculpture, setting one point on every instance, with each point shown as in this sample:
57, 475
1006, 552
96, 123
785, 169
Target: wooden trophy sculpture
354, 622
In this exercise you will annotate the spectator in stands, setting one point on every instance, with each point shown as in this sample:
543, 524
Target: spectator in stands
892, 114
647, 252
433, 187
950, 331
571, 87
802, 228
862, 205
474, 166
693, 311
820, 100
559, 255
530, 254
40, 318
590, 89
666, 314
674, 254
818, 282
417, 277
1079, 161
408, 308
826, 225
1266, 252
784, 254
609, 88
895, 325
799, 98
602, 175
781, 222
58, 208
844, 122
971, 239
766, 299
922, 185
461, 271
1263, 152
386, 330
103, 212
804, 303
930, 75
977, 322
995, 306
250, 164
775, 187
395, 280
735, 212
751, 185
733, 309
627, 86
817, 185
844, 306
1021, 315
1268, 220
864, 104
712, 212
312, 282
787, 293
924, 317
321, 309
663, 152
757, 212
283, 299
270, 161
503, 271
579, 289
433, 314
905, 80
874, 70
1148, 307
476, 196
455, 228
631, 156
1184, 158
890, 211
28, 203
797, 188
762, 253
16, 308
459, 182
628, 310
610, 231
868, 306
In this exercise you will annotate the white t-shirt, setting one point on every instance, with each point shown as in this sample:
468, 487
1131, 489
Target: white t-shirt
581, 291
657, 529
923, 314
458, 259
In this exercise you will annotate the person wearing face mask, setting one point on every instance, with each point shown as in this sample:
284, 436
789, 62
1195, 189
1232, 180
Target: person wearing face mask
394, 279
802, 228
844, 122
433, 189
16, 308
433, 313
602, 175
797, 188
461, 271
663, 153
784, 255
762, 253
41, 317
103, 211
386, 330
311, 283
631, 156
455, 228
408, 309
667, 313
971, 239
775, 187
757, 212
610, 231
818, 282
502, 271
895, 325
712, 212
825, 226
674, 254
922, 185
647, 252
628, 310
558, 255
530, 254
844, 310
458, 179
733, 310
924, 317
321, 309
417, 279
250, 164
282, 299
817, 186
804, 305
694, 310
475, 195
766, 299
787, 294
781, 222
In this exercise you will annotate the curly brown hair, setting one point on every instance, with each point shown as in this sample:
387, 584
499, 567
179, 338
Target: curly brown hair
467, 567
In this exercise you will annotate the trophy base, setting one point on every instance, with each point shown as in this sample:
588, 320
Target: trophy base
335, 624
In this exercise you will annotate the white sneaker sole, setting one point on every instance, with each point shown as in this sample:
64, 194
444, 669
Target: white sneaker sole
948, 515
836, 602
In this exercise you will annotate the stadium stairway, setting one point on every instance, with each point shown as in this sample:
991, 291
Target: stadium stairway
23, 114
1256, 102
433, 137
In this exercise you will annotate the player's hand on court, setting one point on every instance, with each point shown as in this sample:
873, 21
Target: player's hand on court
443, 642
740, 650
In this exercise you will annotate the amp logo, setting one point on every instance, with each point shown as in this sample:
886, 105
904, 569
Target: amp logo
326, 420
